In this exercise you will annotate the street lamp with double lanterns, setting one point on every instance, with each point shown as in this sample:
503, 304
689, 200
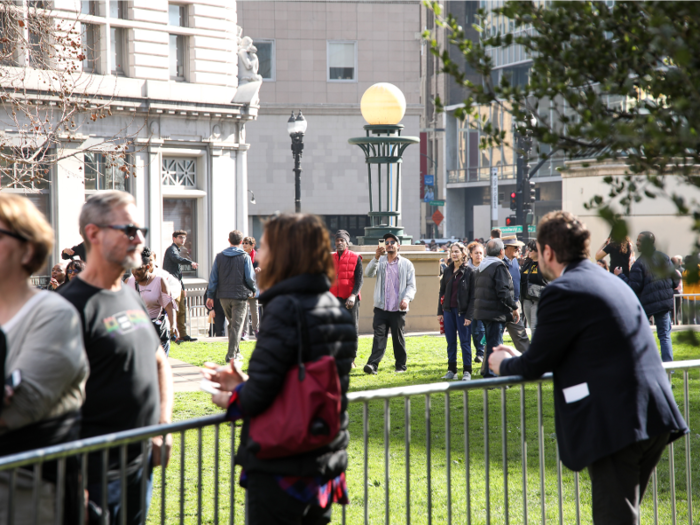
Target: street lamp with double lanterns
383, 106
296, 127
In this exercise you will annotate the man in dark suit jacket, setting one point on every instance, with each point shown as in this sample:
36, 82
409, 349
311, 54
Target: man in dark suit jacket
614, 409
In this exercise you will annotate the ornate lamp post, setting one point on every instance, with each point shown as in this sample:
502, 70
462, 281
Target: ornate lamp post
383, 106
296, 126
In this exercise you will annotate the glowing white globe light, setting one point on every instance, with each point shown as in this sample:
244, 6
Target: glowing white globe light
383, 103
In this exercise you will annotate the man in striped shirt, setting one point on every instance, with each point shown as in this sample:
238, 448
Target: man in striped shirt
394, 289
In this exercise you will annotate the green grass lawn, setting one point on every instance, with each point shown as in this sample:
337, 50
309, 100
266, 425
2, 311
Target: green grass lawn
426, 363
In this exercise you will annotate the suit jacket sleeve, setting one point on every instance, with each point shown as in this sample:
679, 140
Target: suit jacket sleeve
556, 330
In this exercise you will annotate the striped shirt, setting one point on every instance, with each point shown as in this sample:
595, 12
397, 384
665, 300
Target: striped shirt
391, 286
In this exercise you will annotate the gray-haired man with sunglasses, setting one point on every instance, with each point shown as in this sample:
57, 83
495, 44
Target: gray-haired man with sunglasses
130, 383
394, 289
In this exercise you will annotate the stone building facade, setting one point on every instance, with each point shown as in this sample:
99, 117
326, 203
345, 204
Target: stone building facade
168, 72
320, 57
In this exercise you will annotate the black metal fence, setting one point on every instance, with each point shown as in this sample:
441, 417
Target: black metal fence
480, 451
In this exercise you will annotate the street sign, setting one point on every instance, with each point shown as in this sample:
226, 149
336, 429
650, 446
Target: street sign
512, 230
437, 203
438, 218
494, 194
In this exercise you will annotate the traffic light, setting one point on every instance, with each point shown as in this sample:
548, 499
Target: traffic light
530, 192
513, 201
511, 220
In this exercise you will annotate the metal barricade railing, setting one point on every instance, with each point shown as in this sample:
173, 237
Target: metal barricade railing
686, 309
445, 463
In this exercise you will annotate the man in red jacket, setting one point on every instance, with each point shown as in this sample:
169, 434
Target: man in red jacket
348, 275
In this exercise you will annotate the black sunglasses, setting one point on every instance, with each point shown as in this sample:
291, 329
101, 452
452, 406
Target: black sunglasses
13, 234
74, 270
390, 243
129, 230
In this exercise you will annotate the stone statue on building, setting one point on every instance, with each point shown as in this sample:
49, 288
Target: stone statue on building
249, 81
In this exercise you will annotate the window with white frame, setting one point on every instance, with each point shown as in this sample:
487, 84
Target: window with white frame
34, 183
119, 47
342, 61
266, 58
91, 47
179, 171
105, 172
178, 52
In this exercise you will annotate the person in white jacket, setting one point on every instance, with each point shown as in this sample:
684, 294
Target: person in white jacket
394, 289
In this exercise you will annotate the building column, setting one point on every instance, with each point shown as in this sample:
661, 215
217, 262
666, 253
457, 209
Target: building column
242, 181
154, 208
68, 190
224, 198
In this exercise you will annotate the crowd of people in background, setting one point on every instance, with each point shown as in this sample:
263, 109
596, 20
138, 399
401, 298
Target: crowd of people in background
93, 355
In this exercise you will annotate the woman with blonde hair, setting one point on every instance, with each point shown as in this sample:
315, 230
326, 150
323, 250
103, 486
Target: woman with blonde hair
41, 349
621, 254
299, 312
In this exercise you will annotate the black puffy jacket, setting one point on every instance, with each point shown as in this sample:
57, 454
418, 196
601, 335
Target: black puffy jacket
494, 293
465, 294
331, 331
653, 278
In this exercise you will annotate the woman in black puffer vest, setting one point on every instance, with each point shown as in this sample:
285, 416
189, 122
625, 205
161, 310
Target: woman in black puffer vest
295, 254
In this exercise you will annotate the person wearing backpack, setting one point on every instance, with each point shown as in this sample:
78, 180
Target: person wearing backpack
301, 321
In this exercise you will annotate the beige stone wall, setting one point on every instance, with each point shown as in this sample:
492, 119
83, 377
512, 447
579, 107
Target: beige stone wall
673, 235
422, 313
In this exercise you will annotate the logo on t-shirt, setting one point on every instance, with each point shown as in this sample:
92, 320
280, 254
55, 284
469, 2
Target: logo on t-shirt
125, 322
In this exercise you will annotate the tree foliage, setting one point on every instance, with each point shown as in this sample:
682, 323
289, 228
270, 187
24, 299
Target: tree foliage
47, 99
620, 81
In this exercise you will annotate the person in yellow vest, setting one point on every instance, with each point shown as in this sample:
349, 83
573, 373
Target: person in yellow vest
689, 302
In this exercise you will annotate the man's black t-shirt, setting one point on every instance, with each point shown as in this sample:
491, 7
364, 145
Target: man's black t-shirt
122, 390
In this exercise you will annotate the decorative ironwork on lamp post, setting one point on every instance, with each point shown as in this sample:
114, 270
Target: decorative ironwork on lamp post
383, 106
296, 126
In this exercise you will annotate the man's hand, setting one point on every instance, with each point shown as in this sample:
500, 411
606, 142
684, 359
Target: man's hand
500, 353
516, 316
162, 450
257, 270
381, 250
467, 322
174, 332
618, 270
404, 305
210, 304
350, 302
440, 319
68, 251
194, 265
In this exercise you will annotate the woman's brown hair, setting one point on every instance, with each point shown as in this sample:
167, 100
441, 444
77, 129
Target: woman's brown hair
22, 217
296, 244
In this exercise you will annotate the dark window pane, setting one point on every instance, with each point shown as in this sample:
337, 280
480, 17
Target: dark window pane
264, 59
181, 214
342, 73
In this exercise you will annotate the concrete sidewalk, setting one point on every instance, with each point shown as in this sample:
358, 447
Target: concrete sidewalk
186, 377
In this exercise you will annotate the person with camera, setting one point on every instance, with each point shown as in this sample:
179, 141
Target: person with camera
394, 289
